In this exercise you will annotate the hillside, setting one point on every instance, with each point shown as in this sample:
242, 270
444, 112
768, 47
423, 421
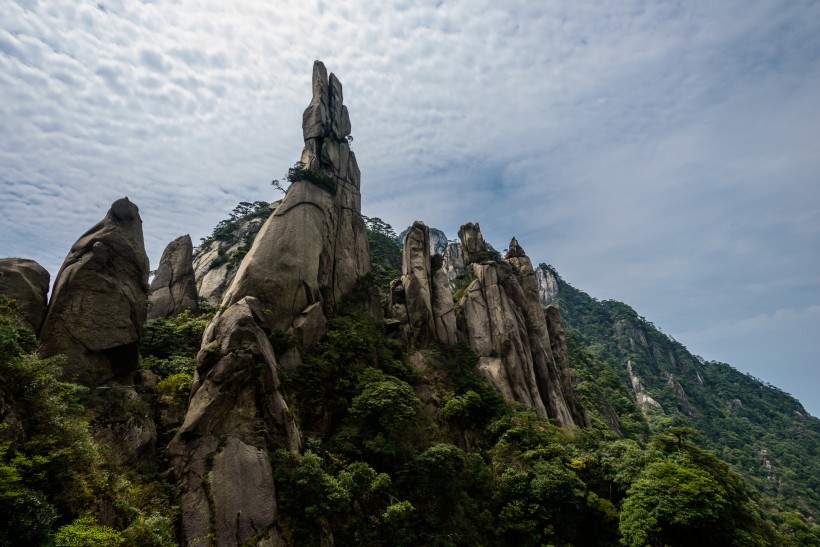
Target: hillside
763, 432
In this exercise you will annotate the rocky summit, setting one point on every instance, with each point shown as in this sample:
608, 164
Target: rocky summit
305, 260
99, 301
173, 288
26, 282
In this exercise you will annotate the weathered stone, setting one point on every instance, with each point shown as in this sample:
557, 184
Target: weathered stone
444, 315
244, 497
453, 264
472, 242
173, 288
502, 320
547, 284
236, 399
306, 259
98, 304
416, 281
25, 282
215, 262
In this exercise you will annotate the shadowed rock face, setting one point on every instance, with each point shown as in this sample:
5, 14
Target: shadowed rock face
502, 320
173, 288
98, 304
26, 282
305, 259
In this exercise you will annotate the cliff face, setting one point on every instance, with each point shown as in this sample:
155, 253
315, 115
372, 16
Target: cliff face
306, 259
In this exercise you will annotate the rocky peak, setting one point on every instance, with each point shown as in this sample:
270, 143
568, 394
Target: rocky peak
98, 304
502, 319
305, 260
173, 288
547, 283
421, 301
26, 282
472, 243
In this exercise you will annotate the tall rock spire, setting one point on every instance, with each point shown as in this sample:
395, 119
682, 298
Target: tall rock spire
305, 260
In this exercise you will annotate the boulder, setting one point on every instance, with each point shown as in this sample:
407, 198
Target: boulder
173, 288
98, 304
26, 283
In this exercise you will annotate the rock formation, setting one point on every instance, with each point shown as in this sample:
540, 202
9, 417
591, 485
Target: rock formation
26, 282
173, 288
421, 301
547, 283
453, 264
216, 260
98, 304
502, 320
306, 259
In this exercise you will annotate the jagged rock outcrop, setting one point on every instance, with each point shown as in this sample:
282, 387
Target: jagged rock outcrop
98, 304
502, 320
453, 264
306, 259
644, 400
216, 260
421, 301
547, 284
173, 288
26, 282
438, 240
473, 246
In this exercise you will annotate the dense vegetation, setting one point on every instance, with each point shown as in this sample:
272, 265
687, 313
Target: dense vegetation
419, 450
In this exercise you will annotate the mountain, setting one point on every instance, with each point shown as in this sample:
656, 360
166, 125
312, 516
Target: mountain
763, 432
332, 384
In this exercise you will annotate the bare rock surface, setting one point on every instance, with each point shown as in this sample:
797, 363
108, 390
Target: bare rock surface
421, 301
305, 260
173, 288
98, 304
501, 318
236, 407
26, 282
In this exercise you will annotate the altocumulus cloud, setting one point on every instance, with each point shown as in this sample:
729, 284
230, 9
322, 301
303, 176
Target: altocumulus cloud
659, 153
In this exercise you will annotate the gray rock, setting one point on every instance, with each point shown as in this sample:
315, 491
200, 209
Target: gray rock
453, 264
547, 284
236, 401
215, 263
173, 288
502, 320
98, 304
314, 246
306, 259
417, 284
444, 315
472, 242
26, 282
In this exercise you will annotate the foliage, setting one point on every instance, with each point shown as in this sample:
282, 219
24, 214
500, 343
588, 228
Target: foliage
385, 253
85, 532
226, 230
300, 171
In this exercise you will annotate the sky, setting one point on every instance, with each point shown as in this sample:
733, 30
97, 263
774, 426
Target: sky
665, 154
